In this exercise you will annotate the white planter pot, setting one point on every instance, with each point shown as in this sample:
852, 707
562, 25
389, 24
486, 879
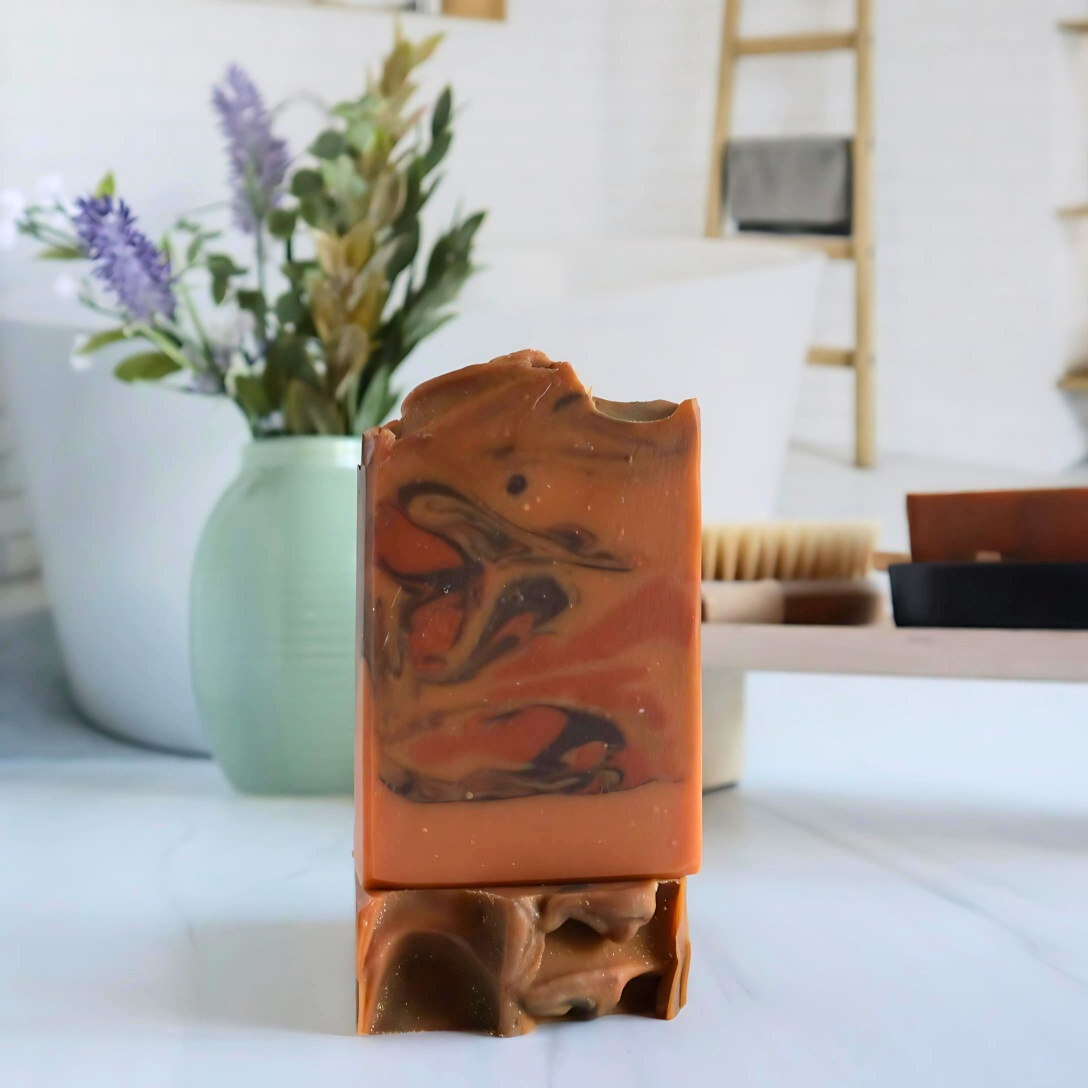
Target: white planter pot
120, 480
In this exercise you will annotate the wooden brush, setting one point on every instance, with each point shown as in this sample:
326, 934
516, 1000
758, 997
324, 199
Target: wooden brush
790, 572
788, 551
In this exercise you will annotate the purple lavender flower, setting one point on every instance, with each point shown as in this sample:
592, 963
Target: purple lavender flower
258, 159
125, 258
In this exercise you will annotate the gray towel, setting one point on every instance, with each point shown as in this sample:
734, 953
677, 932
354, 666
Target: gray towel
790, 185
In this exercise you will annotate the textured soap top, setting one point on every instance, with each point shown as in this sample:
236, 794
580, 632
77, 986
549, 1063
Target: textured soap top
529, 691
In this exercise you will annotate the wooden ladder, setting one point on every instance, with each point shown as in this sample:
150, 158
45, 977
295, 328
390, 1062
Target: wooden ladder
859, 246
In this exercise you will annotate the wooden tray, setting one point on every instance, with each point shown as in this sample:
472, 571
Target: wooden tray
885, 650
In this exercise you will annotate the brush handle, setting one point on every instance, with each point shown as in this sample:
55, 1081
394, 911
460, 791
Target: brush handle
834, 602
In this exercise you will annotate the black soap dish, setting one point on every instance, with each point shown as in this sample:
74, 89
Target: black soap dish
1024, 596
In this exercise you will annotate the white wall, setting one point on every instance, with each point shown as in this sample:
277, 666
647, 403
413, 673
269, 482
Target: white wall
973, 278
585, 116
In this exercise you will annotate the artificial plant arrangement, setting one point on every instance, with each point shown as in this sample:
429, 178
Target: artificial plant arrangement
335, 296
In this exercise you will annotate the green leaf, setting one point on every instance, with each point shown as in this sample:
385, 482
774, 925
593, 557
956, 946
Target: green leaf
288, 353
274, 382
100, 340
281, 222
311, 210
275, 376
223, 265
429, 191
372, 407
437, 151
369, 102
361, 134
254, 302
342, 179
449, 265
421, 325
306, 182
472, 224
328, 145
316, 209
106, 186
222, 269
412, 203
250, 393
391, 349
148, 366
421, 50
397, 65
405, 253
289, 308
308, 411
201, 238
168, 336
440, 119
61, 253
447, 269
296, 271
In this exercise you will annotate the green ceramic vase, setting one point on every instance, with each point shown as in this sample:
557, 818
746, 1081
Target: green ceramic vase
272, 618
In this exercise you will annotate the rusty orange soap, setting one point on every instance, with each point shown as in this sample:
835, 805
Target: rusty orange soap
529, 664
499, 961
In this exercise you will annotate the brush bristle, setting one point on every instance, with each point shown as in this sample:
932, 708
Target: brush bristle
788, 550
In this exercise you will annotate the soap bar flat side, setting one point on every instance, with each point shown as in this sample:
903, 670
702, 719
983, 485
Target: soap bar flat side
501, 960
530, 667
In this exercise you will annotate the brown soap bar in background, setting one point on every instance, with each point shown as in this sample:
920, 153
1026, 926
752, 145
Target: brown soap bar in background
502, 960
529, 695
1041, 526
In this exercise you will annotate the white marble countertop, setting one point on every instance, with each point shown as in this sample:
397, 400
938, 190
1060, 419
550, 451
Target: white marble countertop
905, 904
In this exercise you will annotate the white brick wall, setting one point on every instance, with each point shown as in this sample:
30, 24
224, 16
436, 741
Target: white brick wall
593, 115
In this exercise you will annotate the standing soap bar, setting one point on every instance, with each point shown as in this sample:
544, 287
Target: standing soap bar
530, 674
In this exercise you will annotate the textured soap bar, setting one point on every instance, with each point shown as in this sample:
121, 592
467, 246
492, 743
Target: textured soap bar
529, 677
501, 960
1040, 526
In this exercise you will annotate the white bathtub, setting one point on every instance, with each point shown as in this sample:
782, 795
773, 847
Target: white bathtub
120, 479
726, 322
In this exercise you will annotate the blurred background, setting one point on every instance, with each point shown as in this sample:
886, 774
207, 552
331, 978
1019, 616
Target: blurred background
591, 132
593, 118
